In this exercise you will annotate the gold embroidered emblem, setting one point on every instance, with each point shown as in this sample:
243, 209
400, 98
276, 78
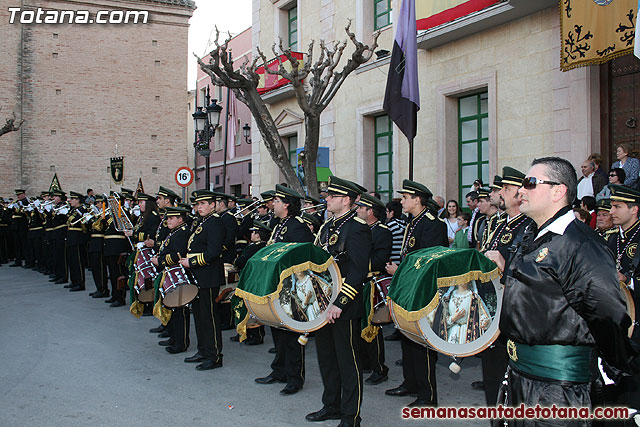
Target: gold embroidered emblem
198, 230
542, 254
343, 300
511, 350
631, 250
283, 231
333, 239
506, 238
412, 242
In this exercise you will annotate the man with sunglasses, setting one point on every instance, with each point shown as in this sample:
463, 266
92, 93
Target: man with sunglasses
508, 233
562, 304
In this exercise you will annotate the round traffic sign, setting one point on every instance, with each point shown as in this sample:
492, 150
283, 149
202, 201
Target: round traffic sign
184, 176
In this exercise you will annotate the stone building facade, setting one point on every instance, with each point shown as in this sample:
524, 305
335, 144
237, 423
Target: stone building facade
492, 94
85, 89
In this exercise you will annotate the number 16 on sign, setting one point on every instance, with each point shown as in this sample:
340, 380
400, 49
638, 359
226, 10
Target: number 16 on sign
184, 176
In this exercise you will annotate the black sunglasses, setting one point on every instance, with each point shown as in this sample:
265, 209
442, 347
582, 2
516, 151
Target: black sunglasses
612, 174
530, 182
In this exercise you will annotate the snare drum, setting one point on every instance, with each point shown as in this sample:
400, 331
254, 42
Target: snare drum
290, 286
177, 288
231, 278
381, 313
435, 304
145, 273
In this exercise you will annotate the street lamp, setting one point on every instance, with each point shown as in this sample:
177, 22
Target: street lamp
246, 132
205, 125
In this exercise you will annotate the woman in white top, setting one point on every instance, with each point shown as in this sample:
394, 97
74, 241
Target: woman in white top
450, 216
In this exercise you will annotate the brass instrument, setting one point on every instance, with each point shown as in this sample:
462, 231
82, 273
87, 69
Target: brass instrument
321, 205
121, 221
59, 210
239, 214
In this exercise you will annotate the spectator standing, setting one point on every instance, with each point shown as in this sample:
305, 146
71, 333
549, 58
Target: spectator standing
616, 176
450, 216
460, 241
630, 165
396, 224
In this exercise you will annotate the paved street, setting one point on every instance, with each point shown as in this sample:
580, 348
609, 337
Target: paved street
69, 360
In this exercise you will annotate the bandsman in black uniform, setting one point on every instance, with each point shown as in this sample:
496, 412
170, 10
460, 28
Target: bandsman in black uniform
204, 260
230, 227
172, 247
312, 206
372, 211
116, 248
267, 199
604, 224
58, 236
74, 239
487, 212
34, 258
424, 231
95, 250
348, 239
562, 304
313, 222
288, 364
19, 226
509, 231
5, 241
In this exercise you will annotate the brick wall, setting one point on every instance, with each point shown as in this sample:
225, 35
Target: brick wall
83, 89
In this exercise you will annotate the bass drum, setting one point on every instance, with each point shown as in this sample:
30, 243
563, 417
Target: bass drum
447, 299
290, 286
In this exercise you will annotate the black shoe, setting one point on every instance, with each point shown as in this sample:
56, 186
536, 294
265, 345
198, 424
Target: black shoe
53, 279
477, 385
234, 338
28, 266
157, 330
323, 415
165, 343
175, 350
110, 300
95, 294
194, 359
377, 378
16, 264
272, 350
269, 379
290, 389
77, 288
398, 362
254, 341
421, 403
60, 282
116, 304
102, 295
69, 286
398, 391
395, 336
164, 334
209, 364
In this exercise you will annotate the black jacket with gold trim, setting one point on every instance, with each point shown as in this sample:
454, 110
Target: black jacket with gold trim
424, 231
381, 245
507, 234
115, 242
204, 251
173, 246
96, 241
348, 240
291, 229
75, 228
146, 228
230, 232
161, 232
624, 245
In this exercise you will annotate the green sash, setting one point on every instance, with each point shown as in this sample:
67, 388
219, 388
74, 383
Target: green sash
557, 362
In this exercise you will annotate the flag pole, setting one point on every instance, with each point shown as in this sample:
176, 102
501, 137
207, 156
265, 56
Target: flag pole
411, 159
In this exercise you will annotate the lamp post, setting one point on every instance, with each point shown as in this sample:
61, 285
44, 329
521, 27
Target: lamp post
246, 132
205, 124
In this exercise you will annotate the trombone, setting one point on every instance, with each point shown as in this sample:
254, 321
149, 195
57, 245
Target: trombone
321, 205
239, 214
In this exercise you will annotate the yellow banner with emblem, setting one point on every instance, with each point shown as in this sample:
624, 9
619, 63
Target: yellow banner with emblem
595, 31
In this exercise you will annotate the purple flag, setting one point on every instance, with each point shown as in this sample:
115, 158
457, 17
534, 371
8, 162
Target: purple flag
402, 98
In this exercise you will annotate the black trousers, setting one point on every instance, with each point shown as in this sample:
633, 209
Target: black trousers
76, 272
114, 273
373, 354
338, 347
4, 244
179, 326
288, 363
60, 258
99, 271
19, 243
419, 370
206, 316
494, 365
522, 389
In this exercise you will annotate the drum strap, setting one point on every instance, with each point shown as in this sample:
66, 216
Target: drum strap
557, 362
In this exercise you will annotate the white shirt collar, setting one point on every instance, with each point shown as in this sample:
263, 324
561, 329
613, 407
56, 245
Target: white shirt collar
559, 225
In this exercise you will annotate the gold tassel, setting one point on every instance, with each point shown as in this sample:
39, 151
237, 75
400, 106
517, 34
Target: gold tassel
161, 313
136, 309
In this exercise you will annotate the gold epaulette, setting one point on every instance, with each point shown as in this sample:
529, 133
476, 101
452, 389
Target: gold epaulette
360, 220
428, 215
300, 220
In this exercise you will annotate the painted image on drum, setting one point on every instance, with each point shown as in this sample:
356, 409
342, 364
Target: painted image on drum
306, 295
464, 312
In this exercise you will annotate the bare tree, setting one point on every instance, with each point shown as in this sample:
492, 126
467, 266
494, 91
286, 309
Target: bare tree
10, 125
315, 84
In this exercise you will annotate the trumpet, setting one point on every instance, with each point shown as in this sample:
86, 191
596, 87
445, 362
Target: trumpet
87, 217
239, 214
62, 210
321, 205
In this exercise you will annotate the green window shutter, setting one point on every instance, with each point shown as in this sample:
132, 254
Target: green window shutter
381, 13
383, 157
473, 142
293, 28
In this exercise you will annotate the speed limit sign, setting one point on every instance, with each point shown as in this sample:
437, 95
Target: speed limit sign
184, 176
